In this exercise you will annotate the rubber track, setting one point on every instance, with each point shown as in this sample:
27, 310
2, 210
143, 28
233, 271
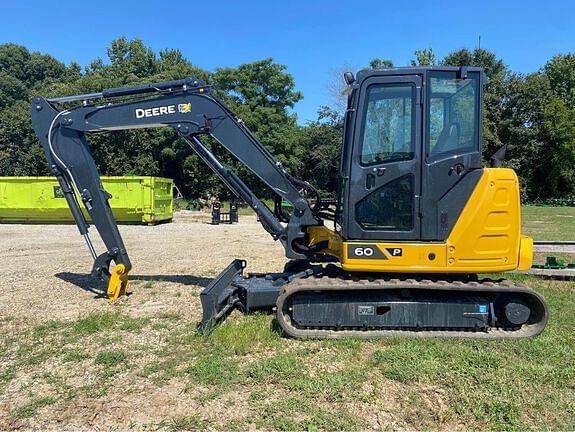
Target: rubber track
331, 283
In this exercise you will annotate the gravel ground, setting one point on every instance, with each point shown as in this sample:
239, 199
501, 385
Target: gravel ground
41, 262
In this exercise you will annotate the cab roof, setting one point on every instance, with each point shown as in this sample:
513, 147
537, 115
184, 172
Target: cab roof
413, 70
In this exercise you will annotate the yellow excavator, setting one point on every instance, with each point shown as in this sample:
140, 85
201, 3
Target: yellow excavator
417, 218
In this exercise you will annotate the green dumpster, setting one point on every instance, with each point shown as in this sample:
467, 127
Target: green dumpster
147, 200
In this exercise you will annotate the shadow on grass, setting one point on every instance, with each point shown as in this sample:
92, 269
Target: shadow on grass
98, 287
276, 328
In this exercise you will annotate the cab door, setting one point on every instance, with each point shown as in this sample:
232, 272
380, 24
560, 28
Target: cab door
452, 148
384, 182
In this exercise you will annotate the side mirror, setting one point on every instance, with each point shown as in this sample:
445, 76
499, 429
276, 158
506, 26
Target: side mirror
348, 78
498, 157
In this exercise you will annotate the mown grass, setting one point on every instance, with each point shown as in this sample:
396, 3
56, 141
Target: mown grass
498, 384
485, 384
549, 223
108, 321
183, 423
297, 413
214, 369
272, 370
283, 384
29, 409
110, 358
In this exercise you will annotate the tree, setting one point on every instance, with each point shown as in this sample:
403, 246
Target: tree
533, 114
20, 151
525, 98
13, 60
41, 67
338, 89
261, 93
11, 89
259, 84
321, 142
558, 134
424, 57
539, 127
377, 63
560, 71
129, 152
131, 59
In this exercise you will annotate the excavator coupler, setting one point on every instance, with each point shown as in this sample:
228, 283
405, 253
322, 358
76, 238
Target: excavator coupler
327, 302
116, 279
118, 283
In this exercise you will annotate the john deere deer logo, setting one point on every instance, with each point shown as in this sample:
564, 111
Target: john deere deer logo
185, 108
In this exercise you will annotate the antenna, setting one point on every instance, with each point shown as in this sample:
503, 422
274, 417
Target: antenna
479, 45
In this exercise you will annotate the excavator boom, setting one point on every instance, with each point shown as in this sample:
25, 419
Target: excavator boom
186, 106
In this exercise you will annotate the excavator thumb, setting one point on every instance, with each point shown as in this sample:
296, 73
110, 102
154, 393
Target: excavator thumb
117, 279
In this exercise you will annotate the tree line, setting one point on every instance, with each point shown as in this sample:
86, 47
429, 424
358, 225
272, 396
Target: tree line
533, 114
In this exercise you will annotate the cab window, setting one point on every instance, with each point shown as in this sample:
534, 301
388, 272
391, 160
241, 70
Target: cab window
452, 114
387, 130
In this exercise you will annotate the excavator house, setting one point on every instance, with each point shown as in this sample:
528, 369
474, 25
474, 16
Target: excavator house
417, 218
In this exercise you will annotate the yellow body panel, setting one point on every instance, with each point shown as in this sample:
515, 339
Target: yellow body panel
486, 237
525, 253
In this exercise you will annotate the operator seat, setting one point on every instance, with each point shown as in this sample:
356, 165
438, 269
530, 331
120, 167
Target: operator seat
448, 139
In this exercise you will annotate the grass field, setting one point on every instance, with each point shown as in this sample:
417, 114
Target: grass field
260, 379
141, 365
549, 223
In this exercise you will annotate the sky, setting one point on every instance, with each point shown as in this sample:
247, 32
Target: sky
314, 39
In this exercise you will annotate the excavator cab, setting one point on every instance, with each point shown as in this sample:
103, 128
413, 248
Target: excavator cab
413, 194
417, 216
411, 136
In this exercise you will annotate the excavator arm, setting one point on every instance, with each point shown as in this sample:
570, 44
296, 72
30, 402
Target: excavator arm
193, 111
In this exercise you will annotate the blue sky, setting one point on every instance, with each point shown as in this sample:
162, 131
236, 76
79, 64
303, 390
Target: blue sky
313, 38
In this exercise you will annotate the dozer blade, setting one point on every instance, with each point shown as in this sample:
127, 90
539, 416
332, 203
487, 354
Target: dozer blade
220, 297
231, 289
338, 306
